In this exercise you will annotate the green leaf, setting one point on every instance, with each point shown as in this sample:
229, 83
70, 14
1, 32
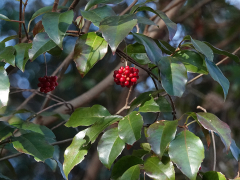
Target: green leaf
203, 48
9, 38
213, 175
187, 152
91, 3
89, 49
138, 53
87, 116
222, 52
160, 134
41, 44
123, 164
22, 54
149, 106
165, 47
4, 87
6, 130
146, 146
218, 76
157, 170
152, 49
129, 127
98, 14
33, 144
43, 11
7, 55
110, 147
143, 20
74, 154
4, 177
56, 24
93, 132
140, 153
192, 61
5, 18
171, 26
173, 75
132, 173
163, 104
235, 150
115, 28
211, 122
25, 125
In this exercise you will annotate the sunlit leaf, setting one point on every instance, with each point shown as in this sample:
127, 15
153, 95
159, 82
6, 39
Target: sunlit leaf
89, 49
7, 55
211, 122
110, 147
160, 134
213, 175
132, 173
157, 170
6, 130
115, 28
5, 18
4, 87
129, 127
187, 152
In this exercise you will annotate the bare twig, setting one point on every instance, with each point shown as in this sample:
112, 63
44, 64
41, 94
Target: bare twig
173, 107
126, 104
20, 24
74, 4
128, 8
64, 2
213, 140
58, 125
23, 18
55, 6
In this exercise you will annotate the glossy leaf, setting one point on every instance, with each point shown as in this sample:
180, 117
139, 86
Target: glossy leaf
213, 175
171, 26
91, 3
192, 61
7, 55
149, 106
163, 104
140, 153
132, 173
222, 52
129, 127
187, 152
43, 11
165, 47
173, 75
157, 170
98, 14
22, 55
6, 130
25, 125
9, 38
74, 154
123, 164
144, 20
3, 17
41, 44
203, 48
235, 150
211, 122
110, 147
4, 87
152, 49
98, 127
89, 49
56, 24
138, 53
115, 28
33, 144
87, 116
160, 134
218, 76
146, 146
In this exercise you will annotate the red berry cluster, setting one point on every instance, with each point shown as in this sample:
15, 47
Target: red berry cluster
47, 83
126, 76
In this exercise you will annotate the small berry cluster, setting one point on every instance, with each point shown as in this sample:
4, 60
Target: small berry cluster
47, 83
126, 76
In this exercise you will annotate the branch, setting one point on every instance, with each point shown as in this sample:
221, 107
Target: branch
128, 8
64, 2
20, 24
23, 16
55, 6
74, 4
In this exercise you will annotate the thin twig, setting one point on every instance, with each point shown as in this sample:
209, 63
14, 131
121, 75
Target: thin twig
20, 24
64, 3
128, 8
23, 18
74, 4
53, 144
45, 60
55, 6
126, 103
173, 107
16, 21
213, 140
58, 125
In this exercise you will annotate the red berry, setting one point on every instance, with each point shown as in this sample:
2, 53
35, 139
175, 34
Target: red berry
122, 79
127, 67
120, 71
116, 80
126, 83
116, 71
118, 76
121, 67
52, 88
135, 74
134, 79
131, 75
136, 70
56, 83
127, 72
47, 84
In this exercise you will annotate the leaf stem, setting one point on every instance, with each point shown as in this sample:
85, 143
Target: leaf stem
191, 122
